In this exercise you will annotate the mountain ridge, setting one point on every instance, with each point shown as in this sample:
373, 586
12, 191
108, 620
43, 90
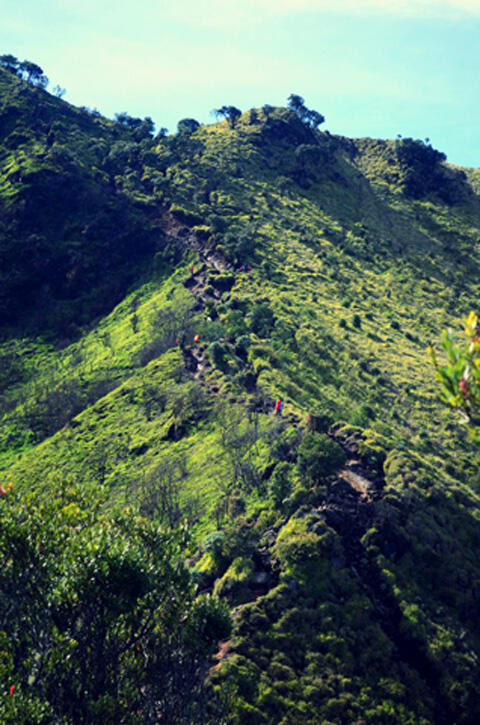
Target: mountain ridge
192, 281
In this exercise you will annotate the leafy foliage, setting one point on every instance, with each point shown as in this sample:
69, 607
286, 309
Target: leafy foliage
310, 117
30, 72
460, 377
99, 617
230, 113
318, 456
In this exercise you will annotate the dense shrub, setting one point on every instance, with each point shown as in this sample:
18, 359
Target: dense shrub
357, 321
98, 616
261, 320
280, 483
284, 445
218, 355
318, 456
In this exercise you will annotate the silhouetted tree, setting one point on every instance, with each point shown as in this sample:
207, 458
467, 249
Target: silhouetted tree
230, 113
141, 128
187, 125
145, 129
124, 119
32, 73
58, 91
314, 119
9, 62
297, 105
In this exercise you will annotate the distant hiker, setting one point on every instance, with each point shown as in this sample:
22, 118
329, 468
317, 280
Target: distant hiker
278, 407
196, 338
191, 271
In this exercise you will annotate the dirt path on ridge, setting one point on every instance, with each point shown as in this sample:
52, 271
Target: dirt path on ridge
353, 502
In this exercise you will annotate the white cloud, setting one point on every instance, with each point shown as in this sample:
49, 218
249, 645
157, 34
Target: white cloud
241, 13
415, 8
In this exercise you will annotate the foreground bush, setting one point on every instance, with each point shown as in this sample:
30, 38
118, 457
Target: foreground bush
98, 616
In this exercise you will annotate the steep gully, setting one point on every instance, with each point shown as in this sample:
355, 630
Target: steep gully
351, 506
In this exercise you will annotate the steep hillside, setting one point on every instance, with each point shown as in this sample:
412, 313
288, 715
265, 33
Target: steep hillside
160, 294
73, 238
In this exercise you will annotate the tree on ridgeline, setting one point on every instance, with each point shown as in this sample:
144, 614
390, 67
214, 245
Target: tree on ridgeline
28, 71
312, 118
297, 104
230, 113
267, 109
187, 126
32, 73
140, 128
58, 91
10, 63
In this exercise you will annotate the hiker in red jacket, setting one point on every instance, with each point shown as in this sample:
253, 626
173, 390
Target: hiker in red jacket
278, 407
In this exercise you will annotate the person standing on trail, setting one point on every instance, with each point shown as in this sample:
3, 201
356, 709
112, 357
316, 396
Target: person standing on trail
191, 271
278, 407
196, 338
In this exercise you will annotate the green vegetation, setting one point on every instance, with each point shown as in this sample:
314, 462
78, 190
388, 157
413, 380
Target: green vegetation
158, 295
460, 377
87, 601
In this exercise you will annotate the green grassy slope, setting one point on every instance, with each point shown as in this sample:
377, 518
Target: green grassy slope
323, 267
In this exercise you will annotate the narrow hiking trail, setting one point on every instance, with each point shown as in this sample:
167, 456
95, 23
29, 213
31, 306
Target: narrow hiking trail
195, 355
351, 506
184, 237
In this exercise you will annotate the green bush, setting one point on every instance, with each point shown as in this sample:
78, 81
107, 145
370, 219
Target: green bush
318, 456
284, 446
184, 215
261, 320
280, 483
235, 580
295, 545
241, 347
357, 321
87, 599
235, 324
222, 281
213, 543
218, 356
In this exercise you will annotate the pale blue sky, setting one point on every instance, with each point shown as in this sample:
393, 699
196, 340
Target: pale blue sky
373, 67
